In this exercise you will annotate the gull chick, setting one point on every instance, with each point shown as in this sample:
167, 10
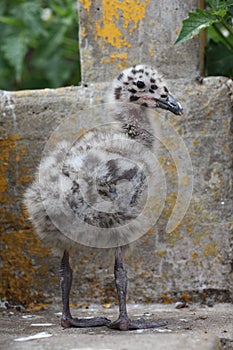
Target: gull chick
58, 189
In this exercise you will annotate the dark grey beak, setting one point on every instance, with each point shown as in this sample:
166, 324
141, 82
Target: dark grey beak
171, 104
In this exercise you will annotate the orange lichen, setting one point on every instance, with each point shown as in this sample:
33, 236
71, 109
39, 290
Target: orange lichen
120, 58
107, 305
7, 145
150, 231
118, 16
210, 249
186, 297
86, 4
167, 299
161, 253
19, 247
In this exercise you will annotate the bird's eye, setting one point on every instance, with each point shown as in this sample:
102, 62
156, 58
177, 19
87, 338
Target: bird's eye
140, 84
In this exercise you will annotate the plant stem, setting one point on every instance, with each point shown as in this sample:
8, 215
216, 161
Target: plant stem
229, 28
223, 38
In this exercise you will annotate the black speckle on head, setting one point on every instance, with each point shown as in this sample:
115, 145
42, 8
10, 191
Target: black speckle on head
165, 89
117, 92
126, 83
140, 84
120, 76
147, 73
144, 104
134, 71
134, 98
154, 87
151, 91
132, 90
141, 71
130, 78
163, 96
152, 80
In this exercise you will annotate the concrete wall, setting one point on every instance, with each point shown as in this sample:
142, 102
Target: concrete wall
196, 259
115, 35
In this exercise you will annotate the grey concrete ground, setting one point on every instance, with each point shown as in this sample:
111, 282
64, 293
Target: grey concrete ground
193, 327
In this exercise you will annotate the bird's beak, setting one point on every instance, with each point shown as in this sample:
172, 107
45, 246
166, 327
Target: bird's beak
171, 104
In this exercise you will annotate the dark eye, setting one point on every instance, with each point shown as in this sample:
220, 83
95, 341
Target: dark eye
140, 84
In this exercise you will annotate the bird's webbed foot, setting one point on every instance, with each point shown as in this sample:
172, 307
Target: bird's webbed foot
125, 324
85, 322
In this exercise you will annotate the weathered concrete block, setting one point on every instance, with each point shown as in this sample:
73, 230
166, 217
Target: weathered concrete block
115, 35
195, 259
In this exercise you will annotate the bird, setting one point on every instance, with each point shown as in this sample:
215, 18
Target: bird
96, 187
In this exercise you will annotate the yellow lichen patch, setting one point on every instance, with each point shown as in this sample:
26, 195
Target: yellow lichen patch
152, 52
150, 231
186, 297
18, 274
37, 307
86, 4
74, 304
119, 57
189, 229
161, 253
210, 249
19, 247
7, 145
195, 255
167, 299
174, 237
107, 305
110, 29
83, 32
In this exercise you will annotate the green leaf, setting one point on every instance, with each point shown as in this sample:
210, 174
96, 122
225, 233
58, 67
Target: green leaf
219, 4
220, 12
229, 3
9, 20
35, 53
14, 49
30, 14
195, 23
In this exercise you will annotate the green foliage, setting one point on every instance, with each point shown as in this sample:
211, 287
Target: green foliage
38, 44
217, 19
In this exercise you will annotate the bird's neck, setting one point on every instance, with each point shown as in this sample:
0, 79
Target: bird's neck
135, 124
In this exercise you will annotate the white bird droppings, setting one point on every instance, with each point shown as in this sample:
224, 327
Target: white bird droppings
35, 336
42, 324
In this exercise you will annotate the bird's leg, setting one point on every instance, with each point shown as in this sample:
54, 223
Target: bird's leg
123, 322
66, 282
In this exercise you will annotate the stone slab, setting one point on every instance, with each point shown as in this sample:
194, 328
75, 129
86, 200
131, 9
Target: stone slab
115, 35
193, 327
193, 261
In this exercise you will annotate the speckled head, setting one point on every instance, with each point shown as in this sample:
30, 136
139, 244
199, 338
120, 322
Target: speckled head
143, 86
